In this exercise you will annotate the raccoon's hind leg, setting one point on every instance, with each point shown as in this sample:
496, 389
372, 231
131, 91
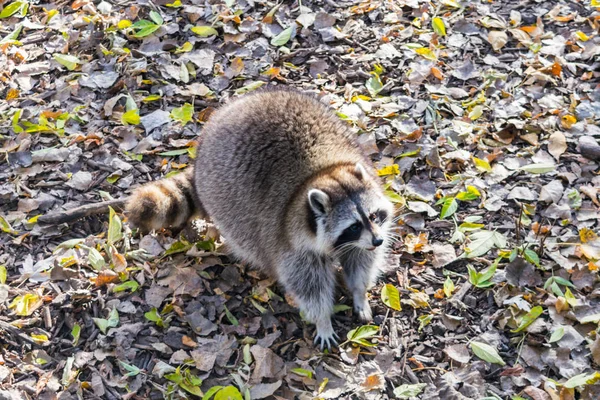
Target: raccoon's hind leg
361, 269
310, 279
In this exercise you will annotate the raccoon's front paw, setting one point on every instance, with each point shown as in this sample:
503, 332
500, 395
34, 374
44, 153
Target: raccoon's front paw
326, 340
326, 337
364, 312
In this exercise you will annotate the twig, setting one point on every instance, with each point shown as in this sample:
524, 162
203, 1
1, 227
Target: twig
13, 330
80, 212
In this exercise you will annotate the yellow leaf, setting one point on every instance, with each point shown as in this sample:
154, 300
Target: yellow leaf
438, 26
41, 338
567, 121
426, 53
476, 112
393, 169
26, 304
587, 235
12, 94
131, 117
482, 165
204, 31
124, 24
391, 297
582, 36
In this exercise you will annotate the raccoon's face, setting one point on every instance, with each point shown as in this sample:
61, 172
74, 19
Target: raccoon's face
351, 213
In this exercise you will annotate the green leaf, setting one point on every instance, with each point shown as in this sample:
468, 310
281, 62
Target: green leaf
183, 114
532, 257
469, 226
448, 287
5, 226
391, 297
360, 334
486, 353
450, 205
204, 31
528, 319
438, 26
473, 275
177, 152
153, 315
424, 320
147, 28
228, 393
563, 281
67, 60
407, 391
303, 372
156, 17
129, 285
114, 227
488, 273
374, 85
131, 117
95, 259
232, 319
594, 318
284, 36
12, 9
76, 332
471, 194
250, 87
539, 168
247, 354
582, 380
12, 37
113, 318
211, 392
482, 165
102, 324
3, 274
340, 307
133, 370
557, 334
483, 241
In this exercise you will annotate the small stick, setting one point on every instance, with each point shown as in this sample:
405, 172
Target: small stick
80, 212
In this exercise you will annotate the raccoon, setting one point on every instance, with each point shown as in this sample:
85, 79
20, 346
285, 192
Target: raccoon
291, 192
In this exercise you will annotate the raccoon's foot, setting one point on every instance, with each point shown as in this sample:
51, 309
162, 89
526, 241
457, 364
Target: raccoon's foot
326, 336
363, 311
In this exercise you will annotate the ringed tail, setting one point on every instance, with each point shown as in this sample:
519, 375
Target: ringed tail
165, 203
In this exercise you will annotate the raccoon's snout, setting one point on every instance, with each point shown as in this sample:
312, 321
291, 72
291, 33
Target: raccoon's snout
377, 241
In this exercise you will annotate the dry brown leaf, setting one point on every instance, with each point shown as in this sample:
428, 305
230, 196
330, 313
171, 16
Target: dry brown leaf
557, 144
536, 394
497, 39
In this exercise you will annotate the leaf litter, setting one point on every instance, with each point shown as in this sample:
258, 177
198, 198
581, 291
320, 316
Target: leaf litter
482, 119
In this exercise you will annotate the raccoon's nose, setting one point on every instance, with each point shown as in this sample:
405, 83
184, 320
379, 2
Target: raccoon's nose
377, 241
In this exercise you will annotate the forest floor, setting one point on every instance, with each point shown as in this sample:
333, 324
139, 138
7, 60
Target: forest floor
482, 119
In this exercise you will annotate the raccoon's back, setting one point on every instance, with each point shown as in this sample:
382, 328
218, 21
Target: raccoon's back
255, 152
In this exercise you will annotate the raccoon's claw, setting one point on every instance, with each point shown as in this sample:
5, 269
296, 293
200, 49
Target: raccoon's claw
330, 340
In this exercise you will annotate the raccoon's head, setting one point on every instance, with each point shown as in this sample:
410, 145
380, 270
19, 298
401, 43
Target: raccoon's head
348, 210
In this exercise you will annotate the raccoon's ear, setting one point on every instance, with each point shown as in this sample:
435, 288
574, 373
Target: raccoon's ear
319, 201
360, 171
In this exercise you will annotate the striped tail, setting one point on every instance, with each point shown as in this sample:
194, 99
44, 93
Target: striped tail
169, 202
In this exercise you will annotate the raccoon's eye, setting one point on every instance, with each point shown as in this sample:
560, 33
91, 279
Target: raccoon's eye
382, 215
374, 218
355, 227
